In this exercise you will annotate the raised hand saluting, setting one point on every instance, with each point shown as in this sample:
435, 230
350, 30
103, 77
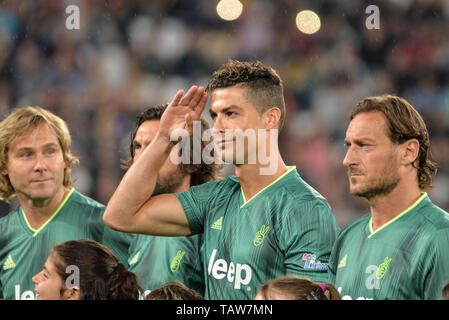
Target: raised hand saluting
180, 114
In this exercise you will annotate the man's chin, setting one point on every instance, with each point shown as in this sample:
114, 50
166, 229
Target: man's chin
38, 196
368, 194
166, 188
158, 191
374, 190
358, 192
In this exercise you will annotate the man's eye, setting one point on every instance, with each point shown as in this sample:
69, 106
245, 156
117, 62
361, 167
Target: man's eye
137, 146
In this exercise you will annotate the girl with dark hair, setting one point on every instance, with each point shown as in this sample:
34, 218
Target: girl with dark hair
84, 270
295, 288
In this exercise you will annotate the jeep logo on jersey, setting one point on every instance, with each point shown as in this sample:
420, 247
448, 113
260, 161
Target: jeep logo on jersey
220, 269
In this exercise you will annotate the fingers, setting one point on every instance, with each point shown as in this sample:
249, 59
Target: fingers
189, 95
201, 104
195, 99
177, 98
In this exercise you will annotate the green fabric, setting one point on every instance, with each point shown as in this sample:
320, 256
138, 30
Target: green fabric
23, 250
407, 258
287, 228
157, 260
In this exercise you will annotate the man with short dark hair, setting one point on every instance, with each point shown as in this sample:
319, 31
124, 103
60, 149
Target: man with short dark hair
264, 222
399, 250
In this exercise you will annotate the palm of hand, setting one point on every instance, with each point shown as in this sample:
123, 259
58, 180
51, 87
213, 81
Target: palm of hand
179, 116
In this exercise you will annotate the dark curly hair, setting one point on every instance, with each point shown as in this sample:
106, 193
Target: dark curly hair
264, 85
403, 123
200, 173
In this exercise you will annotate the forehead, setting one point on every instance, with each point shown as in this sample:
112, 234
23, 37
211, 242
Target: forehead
147, 129
50, 264
367, 125
42, 134
230, 96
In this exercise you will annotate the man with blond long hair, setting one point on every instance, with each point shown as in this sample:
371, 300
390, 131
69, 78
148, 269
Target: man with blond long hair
35, 167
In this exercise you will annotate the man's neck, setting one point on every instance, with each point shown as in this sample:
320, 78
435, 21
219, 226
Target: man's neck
385, 208
39, 211
185, 185
251, 179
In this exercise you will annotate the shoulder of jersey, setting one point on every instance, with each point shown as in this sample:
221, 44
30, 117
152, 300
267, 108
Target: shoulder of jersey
84, 200
361, 222
5, 220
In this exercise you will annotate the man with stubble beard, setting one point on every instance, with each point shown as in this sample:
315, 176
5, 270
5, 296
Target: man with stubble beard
400, 249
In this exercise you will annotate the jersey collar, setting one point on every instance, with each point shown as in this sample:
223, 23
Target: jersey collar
245, 202
36, 231
417, 202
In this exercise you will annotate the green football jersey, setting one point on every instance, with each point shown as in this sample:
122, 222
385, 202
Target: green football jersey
407, 258
24, 250
287, 228
157, 260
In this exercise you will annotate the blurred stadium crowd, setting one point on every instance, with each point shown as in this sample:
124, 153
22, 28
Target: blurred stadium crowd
128, 55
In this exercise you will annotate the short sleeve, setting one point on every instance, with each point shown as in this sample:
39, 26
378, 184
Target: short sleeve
306, 237
195, 202
119, 242
333, 262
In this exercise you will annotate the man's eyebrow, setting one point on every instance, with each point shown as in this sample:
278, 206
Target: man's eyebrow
51, 144
26, 148
226, 109
359, 140
142, 143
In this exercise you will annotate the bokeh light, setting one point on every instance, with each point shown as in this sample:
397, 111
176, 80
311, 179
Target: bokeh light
229, 9
308, 22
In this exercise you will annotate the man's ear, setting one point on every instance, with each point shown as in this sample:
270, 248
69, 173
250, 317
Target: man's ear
410, 151
72, 294
271, 118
